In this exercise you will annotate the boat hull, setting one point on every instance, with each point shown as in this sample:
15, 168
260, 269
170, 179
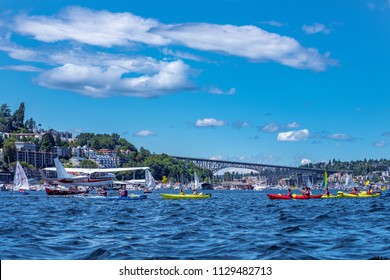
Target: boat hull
280, 196
185, 196
350, 195
54, 191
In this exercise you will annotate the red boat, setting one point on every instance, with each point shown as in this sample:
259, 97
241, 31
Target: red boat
294, 196
65, 191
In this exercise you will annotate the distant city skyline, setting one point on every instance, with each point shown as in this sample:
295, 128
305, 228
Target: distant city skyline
273, 82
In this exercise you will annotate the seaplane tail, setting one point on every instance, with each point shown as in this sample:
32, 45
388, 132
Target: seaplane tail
61, 172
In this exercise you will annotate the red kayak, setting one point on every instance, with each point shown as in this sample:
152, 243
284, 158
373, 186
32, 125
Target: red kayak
294, 196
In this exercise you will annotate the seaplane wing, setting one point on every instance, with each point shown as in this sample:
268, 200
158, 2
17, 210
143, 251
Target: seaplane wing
93, 170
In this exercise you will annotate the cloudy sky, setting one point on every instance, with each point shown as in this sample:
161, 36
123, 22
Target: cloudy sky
278, 82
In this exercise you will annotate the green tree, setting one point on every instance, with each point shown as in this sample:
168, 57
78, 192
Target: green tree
58, 141
18, 117
87, 163
9, 150
30, 125
84, 139
5, 118
47, 142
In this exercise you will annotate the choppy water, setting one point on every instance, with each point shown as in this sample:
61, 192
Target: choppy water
230, 225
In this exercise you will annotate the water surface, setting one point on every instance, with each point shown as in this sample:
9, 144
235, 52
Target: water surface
231, 225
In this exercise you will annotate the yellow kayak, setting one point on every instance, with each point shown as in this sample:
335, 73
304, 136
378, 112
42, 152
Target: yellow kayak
340, 194
185, 196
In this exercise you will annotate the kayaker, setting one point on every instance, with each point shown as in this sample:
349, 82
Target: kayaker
369, 191
327, 191
181, 192
354, 191
103, 192
195, 192
289, 192
124, 192
307, 192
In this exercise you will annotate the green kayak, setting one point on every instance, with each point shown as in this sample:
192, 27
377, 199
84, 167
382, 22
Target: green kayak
185, 196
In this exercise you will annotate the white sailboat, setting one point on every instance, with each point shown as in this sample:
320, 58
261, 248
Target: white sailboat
20, 180
196, 181
150, 183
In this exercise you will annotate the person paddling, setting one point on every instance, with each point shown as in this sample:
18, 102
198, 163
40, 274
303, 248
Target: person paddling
181, 192
289, 192
355, 191
327, 191
124, 192
103, 192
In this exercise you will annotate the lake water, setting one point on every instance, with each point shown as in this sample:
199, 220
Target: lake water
233, 225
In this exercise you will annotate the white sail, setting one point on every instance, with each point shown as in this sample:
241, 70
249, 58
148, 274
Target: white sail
149, 180
196, 181
347, 180
308, 183
20, 179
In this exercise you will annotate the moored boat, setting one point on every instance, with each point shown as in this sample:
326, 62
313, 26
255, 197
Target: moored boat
65, 191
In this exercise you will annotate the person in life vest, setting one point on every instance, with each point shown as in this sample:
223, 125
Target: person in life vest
369, 191
103, 192
289, 192
181, 192
327, 191
124, 192
354, 191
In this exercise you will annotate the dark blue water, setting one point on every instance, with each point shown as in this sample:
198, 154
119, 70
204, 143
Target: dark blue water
231, 225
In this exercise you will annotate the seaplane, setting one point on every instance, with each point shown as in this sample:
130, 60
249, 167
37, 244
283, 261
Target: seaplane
87, 177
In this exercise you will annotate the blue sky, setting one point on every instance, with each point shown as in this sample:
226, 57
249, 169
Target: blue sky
275, 82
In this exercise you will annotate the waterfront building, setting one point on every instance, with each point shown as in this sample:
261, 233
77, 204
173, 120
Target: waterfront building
27, 152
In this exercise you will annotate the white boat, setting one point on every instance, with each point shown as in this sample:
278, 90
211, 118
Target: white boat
20, 180
259, 187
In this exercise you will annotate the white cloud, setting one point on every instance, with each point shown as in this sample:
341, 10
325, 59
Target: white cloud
380, 144
102, 74
240, 124
21, 68
305, 161
299, 135
275, 127
273, 23
316, 28
341, 137
209, 122
246, 41
293, 125
217, 157
106, 80
184, 55
215, 90
271, 127
106, 29
144, 133
98, 28
67, 40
